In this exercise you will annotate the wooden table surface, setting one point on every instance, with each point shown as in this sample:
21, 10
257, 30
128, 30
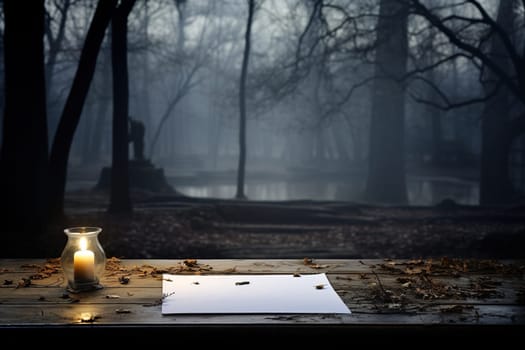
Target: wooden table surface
389, 299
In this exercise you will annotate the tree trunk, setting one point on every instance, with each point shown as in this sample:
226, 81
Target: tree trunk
495, 186
145, 101
386, 169
54, 44
181, 25
437, 133
24, 154
242, 104
87, 130
74, 104
119, 196
102, 109
435, 120
340, 142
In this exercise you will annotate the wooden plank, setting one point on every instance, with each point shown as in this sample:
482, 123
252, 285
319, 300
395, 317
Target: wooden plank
287, 265
397, 295
331, 265
382, 290
134, 314
438, 310
216, 266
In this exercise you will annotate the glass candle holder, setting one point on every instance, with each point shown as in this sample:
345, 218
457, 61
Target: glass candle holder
83, 260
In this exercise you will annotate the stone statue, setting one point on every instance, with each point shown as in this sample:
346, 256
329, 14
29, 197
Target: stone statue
136, 136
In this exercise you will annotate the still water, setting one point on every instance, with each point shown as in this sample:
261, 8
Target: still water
421, 191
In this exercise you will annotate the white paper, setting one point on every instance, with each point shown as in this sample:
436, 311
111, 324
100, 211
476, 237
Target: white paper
230, 294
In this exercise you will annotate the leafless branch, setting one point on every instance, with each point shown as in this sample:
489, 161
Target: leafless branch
447, 104
422, 10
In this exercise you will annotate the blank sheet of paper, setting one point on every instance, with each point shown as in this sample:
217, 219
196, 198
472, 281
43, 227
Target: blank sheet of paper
198, 294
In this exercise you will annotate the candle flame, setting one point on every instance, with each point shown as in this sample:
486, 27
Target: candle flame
83, 243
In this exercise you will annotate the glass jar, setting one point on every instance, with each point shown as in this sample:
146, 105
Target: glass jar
83, 260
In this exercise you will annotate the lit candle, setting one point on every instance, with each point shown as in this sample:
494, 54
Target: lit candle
84, 263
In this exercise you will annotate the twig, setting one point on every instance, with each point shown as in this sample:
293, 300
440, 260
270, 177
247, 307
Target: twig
386, 296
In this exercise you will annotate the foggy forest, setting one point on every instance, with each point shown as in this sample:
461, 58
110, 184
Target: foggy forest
264, 128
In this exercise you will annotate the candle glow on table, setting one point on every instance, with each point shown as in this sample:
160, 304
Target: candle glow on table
84, 263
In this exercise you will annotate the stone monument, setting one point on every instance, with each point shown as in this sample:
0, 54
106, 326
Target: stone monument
143, 175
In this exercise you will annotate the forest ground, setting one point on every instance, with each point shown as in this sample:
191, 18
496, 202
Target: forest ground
180, 227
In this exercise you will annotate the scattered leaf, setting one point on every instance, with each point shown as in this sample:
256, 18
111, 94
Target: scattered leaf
112, 296
123, 311
23, 283
190, 262
310, 263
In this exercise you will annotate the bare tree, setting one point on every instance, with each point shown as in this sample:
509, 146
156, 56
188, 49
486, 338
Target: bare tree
186, 64
55, 41
468, 34
242, 103
103, 103
492, 46
24, 153
73, 108
386, 168
120, 201
497, 138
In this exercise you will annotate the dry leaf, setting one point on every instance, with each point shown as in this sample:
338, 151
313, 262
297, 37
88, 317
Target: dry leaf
24, 282
190, 262
112, 296
123, 311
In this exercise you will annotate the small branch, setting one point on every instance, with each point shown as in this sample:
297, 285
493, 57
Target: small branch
448, 105
386, 296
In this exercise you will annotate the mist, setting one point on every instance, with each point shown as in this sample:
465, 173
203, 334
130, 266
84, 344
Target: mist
409, 103
307, 136
298, 147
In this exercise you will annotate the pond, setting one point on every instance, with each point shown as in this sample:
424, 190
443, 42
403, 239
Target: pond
422, 191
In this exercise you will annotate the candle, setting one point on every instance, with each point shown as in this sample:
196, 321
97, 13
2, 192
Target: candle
84, 263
